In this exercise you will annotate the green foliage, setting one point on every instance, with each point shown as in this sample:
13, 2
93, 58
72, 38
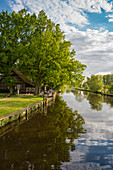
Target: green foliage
106, 88
95, 101
96, 83
108, 82
37, 47
111, 88
15, 30
108, 79
48, 58
65, 88
85, 85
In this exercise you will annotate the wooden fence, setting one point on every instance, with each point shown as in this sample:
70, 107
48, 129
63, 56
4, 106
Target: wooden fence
25, 111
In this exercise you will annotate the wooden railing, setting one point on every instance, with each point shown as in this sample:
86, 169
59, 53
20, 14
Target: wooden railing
25, 111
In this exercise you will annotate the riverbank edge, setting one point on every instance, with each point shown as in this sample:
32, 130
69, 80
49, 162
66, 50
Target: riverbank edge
97, 92
25, 111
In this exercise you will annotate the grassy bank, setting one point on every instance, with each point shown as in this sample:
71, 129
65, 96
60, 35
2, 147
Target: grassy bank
12, 105
99, 92
1, 95
82, 89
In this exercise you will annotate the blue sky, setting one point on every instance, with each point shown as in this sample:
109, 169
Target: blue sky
88, 24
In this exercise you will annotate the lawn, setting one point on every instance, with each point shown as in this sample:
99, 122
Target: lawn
16, 104
1, 96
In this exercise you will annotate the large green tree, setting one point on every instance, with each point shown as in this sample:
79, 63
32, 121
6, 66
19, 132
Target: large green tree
108, 79
37, 47
95, 83
48, 57
15, 33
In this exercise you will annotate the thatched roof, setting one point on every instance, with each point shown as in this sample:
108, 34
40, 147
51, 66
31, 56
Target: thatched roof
24, 78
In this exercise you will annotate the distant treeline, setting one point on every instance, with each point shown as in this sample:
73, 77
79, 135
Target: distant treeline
99, 83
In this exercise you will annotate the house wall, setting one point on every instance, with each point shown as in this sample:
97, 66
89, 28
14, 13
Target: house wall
3, 86
22, 84
30, 90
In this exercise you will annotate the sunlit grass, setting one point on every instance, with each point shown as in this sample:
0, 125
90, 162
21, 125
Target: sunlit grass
16, 104
1, 96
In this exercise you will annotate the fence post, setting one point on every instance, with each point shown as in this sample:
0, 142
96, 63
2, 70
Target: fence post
26, 113
19, 117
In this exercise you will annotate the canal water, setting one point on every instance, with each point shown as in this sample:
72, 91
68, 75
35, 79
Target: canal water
76, 132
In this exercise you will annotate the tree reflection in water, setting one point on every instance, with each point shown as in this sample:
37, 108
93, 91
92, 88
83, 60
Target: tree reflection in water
109, 100
43, 142
95, 100
78, 95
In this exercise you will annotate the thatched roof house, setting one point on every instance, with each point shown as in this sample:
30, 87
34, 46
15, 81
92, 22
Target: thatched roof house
22, 83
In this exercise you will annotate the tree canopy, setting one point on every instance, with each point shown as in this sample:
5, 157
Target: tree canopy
37, 47
14, 32
95, 83
108, 79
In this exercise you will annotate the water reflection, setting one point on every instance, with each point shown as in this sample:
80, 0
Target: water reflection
94, 150
95, 100
78, 95
43, 142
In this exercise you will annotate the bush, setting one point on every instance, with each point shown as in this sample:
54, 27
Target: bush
95, 83
85, 85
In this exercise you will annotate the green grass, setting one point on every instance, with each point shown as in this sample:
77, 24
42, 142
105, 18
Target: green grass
1, 96
16, 104
31, 97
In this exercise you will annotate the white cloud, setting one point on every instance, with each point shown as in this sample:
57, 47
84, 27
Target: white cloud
63, 12
17, 6
92, 5
94, 47
104, 73
110, 18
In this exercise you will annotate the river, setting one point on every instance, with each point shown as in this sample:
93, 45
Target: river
74, 133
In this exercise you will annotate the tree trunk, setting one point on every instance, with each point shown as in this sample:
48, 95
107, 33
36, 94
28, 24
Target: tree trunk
37, 89
11, 90
37, 86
